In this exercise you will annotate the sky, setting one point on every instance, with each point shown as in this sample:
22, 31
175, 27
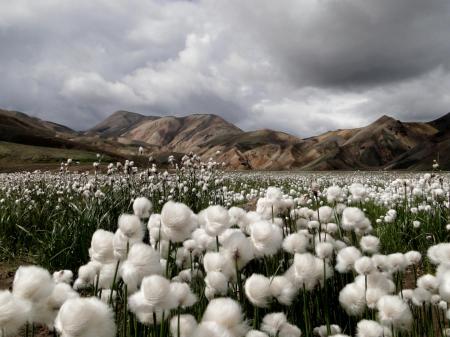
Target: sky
299, 66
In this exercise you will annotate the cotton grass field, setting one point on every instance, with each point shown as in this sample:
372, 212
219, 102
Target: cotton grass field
199, 252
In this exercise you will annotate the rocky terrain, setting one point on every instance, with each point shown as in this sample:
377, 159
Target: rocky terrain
386, 143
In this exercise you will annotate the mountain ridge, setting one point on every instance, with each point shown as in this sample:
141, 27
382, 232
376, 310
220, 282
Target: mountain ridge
386, 143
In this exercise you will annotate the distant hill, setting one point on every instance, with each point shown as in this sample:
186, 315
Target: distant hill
386, 143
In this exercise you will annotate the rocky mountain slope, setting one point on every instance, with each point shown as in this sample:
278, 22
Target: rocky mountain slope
386, 143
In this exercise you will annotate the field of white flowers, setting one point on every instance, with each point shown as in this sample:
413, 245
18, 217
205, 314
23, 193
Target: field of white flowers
198, 252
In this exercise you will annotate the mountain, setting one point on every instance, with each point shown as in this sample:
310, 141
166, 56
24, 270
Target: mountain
386, 143
181, 134
118, 123
435, 147
34, 133
18, 127
383, 141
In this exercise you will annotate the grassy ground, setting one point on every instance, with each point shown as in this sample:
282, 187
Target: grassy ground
16, 157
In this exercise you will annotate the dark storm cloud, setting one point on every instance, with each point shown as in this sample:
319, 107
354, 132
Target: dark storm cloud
350, 42
299, 66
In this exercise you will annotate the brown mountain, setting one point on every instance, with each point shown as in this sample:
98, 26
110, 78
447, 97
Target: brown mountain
181, 134
386, 143
19, 128
436, 147
118, 123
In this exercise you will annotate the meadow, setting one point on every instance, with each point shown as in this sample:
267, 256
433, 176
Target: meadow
196, 251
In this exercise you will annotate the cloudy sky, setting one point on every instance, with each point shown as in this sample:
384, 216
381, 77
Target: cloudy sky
301, 66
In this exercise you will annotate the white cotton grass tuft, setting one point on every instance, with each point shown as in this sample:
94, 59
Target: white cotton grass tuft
202, 239
334, 194
87, 275
142, 207
373, 295
272, 204
378, 285
239, 248
368, 328
276, 324
369, 244
256, 333
273, 322
178, 221
354, 218
32, 283
63, 276
364, 265
324, 250
420, 297
346, 259
413, 257
282, 290
238, 217
188, 324
257, 290
106, 275
322, 331
101, 249
444, 285
14, 313
394, 312
87, 317
156, 292
143, 309
154, 221
330, 228
148, 318
45, 311
155, 231
216, 284
227, 233
142, 261
130, 231
405, 294
382, 263
227, 313
307, 271
428, 282
296, 243
289, 330
182, 295
377, 280
266, 238
211, 329
352, 299
358, 191
302, 271
221, 262
397, 261
130, 226
439, 253
217, 220
325, 214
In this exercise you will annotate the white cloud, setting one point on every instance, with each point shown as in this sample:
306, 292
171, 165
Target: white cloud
299, 66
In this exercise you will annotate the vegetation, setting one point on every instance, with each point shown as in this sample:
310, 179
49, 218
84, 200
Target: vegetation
201, 252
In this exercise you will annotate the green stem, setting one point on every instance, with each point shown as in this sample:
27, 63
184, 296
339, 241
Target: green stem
256, 318
168, 258
114, 282
239, 281
125, 313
